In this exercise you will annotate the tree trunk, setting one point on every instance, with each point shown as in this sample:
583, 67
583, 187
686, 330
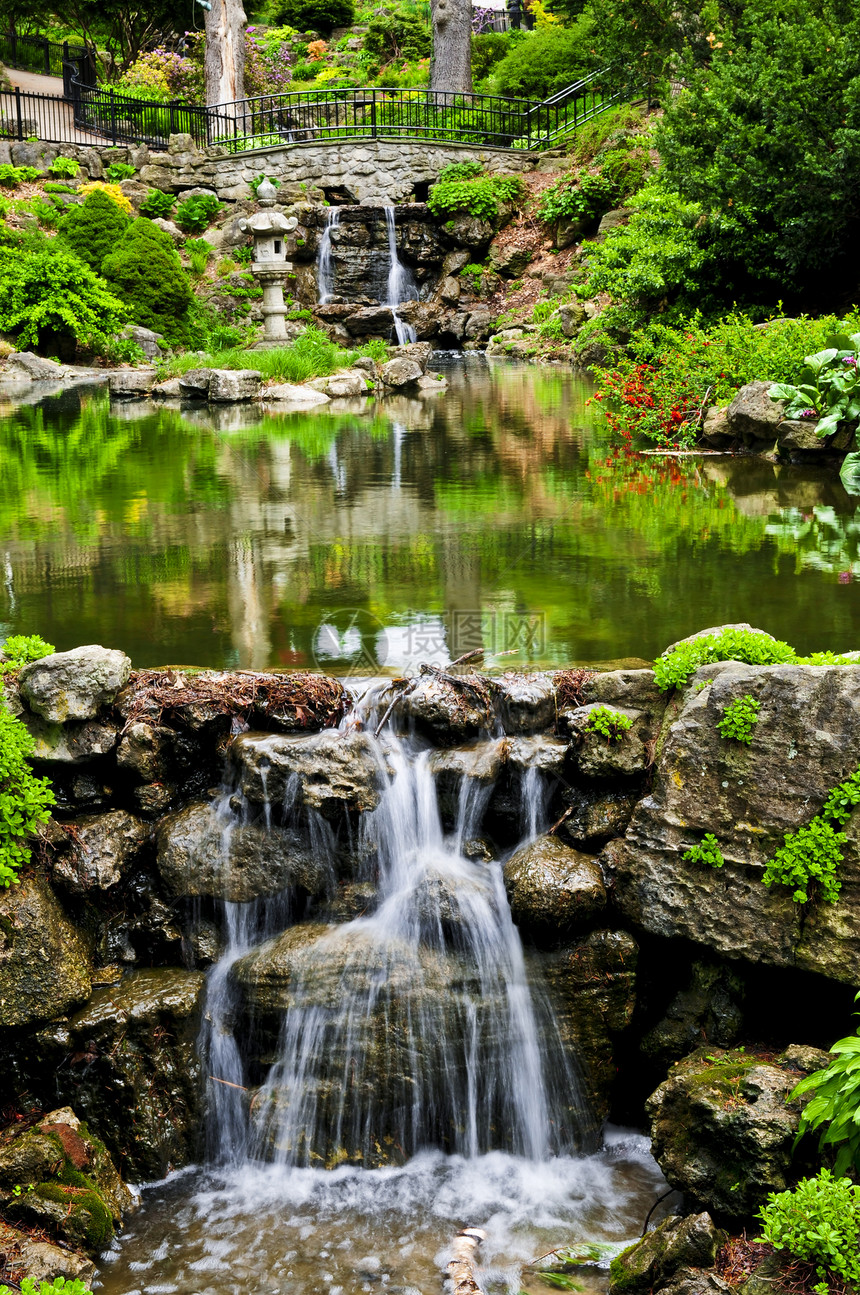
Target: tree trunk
451, 69
224, 64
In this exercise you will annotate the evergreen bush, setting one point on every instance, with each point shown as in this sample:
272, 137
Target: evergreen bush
49, 296
313, 15
93, 229
550, 59
145, 267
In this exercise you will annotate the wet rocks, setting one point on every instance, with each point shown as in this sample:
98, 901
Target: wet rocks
723, 1130
128, 1064
100, 852
227, 386
526, 702
753, 416
331, 773
74, 685
202, 854
675, 1244
805, 742
131, 384
447, 714
27, 367
553, 889
43, 1261
70, 743
598, 756
44, 964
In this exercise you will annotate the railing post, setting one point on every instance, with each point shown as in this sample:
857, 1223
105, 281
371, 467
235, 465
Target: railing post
112, 117
47, 57
19, 113
373, 114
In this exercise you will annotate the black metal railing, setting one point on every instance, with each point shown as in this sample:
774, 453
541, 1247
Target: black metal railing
101, 115
47, 57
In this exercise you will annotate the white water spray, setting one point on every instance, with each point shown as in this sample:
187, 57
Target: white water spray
325, 269
401, 284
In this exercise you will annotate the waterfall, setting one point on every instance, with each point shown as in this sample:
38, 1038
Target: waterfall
412, 1026
325, 270
401, 284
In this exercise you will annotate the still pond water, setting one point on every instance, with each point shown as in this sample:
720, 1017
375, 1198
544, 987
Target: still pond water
496, 515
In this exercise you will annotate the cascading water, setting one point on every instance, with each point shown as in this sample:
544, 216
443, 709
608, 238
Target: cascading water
325, 268
401, 284
409, 1027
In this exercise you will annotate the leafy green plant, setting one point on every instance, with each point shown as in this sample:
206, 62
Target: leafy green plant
199, 252
12, 176
834, 1111
59, 1286
145, 267
64, 168
739, 719
586, 196
707, 851
93, 229
158, 204
547, 61
808, 862
51, 296
674, 668
455, 171
25, 801
258, 180
474, 277
478, 196
818, 1222
609, 723
21, 648
843, 799
119, 171
197, 212
828, 387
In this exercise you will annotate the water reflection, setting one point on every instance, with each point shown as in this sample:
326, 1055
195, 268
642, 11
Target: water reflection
377, 534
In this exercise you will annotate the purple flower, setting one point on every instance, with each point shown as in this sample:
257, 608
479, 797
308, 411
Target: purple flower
850, 360
809, 413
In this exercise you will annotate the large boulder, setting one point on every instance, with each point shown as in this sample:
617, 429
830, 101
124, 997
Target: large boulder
100, 852
289, 394
199, 854
128, 1063
78, 742
44, 963
552, 889
753, 416
42, 1261
24, 366
329, 772
723, 1130
401, 372
131, 384
805, 742
526, 702
74, 685
675, 1244
448, 715
226, 386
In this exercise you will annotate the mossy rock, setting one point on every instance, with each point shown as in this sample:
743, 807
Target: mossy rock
675, 1244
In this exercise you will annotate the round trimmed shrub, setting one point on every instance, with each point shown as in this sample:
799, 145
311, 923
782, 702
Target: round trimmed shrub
93, 229
550, 59
315, 15
146, 268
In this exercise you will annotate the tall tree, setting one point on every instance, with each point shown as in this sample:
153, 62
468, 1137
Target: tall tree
451, 68
224, 64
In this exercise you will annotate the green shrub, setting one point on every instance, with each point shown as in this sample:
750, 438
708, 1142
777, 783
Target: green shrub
18, 649
12, 176
146, 269
550, 59
158, 205
197, 212
828, 385
819, 1223
674, 668
739, 719
199, 252
25, 801
59, 1286
834, 1111
48, 295
477, 196
707, 852
808, 862
64, 168
397, 34
843, 800
609, 723
313, 15
93, 229
489, 48
119, 171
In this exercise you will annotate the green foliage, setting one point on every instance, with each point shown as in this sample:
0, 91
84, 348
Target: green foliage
64, 168
199, 252
12, 176
397, 34
674, 668
55, 186
739, 719
834, 1111
49, 294
828, 386
119, 171
460, 171
158, 204
258, 180
809, 860
311, 355
489, 48
313, 15
474, 277
25, 801
547, 61
818, 1222
609, 723
707, 852
197, 212
59, 1286
587, 196
21, 648
146, 269
93, 229
843, 800
478, 196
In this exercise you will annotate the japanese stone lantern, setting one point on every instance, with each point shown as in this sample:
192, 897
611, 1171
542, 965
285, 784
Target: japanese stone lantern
270, 265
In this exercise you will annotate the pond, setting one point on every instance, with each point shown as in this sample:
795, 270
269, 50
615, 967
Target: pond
496, 515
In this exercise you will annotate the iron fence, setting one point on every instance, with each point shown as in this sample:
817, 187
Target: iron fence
47, 57
96, 114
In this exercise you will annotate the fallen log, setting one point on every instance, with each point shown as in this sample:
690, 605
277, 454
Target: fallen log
462, 1269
